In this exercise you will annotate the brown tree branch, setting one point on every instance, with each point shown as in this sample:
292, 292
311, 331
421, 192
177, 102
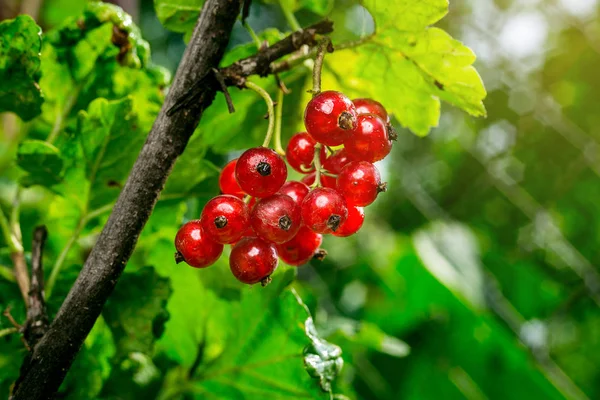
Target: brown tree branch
37, 317
55, 352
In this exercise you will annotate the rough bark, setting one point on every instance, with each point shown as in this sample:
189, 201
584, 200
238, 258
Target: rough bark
55, 352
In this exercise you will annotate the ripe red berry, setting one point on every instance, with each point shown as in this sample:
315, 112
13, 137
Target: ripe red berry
369, 141
324, 210
195, 247
360, 183
301, 248
296, 190
253, 260
330, 117
301, 151
335, 162
326, 181
260, 172
227, 182
225, 218
276, 218
356, 217
370, 106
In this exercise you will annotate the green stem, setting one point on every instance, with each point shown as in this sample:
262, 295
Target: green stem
290, 17
63, 114
7, 273
278, 115
7, 331
270, 109
13, 243
253, 35
321, 50
317, 163
15, 224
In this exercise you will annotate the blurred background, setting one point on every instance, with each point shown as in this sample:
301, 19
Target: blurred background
481, 262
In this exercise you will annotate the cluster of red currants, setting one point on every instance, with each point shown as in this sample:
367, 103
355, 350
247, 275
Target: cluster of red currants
265, 218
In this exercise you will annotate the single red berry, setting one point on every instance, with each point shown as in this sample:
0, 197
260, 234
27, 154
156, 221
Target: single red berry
253, 260
301, 151
276, 218
324, 210
330, 117
260, 172
356, 217
360, 183
195, 247
227, 182
335, 162
296, 190
301, 248
370, 106
326, 181
225, 218
369, 141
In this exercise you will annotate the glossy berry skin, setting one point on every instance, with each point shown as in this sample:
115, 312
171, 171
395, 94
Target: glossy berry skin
360, 183
370, 106
227, 182
330, 117
324, 210
369, 141
326, 181
253, 260
301, 248
296, 190
355, 220
301, 151
225, 218
195, 247
260, 172
276, 218
335, 162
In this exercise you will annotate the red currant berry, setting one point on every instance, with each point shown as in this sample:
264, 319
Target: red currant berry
330, 117
296, 190
301, 151
301, 248
356, 217
225, 218
276, 218
253, 260
370, 106
369, 141
335, 162
260, 172
326, 181
227, 182
360, 183
195, 247
324, 210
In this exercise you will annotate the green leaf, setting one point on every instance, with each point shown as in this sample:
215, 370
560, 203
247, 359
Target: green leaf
136, 311
178, 15
320, 7
42, 162
20, 44
409, 67
111, 138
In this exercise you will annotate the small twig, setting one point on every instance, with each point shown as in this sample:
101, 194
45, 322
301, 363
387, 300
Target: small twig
7, 331
281, 84
37, 317
10, 318
324, 46
221, 81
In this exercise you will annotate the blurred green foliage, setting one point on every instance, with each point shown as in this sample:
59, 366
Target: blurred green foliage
473, 277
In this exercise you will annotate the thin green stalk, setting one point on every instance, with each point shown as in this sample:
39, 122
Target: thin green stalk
62, 257
278, 115
253, 35
15, 224
317, 162
290, 17
13, 243
7, 331
270, 109
7, 273
321, 50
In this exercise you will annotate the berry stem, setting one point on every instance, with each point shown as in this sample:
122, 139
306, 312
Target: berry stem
324, 46
270, 109
253, 35
290, 17
317, 162
278, 115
